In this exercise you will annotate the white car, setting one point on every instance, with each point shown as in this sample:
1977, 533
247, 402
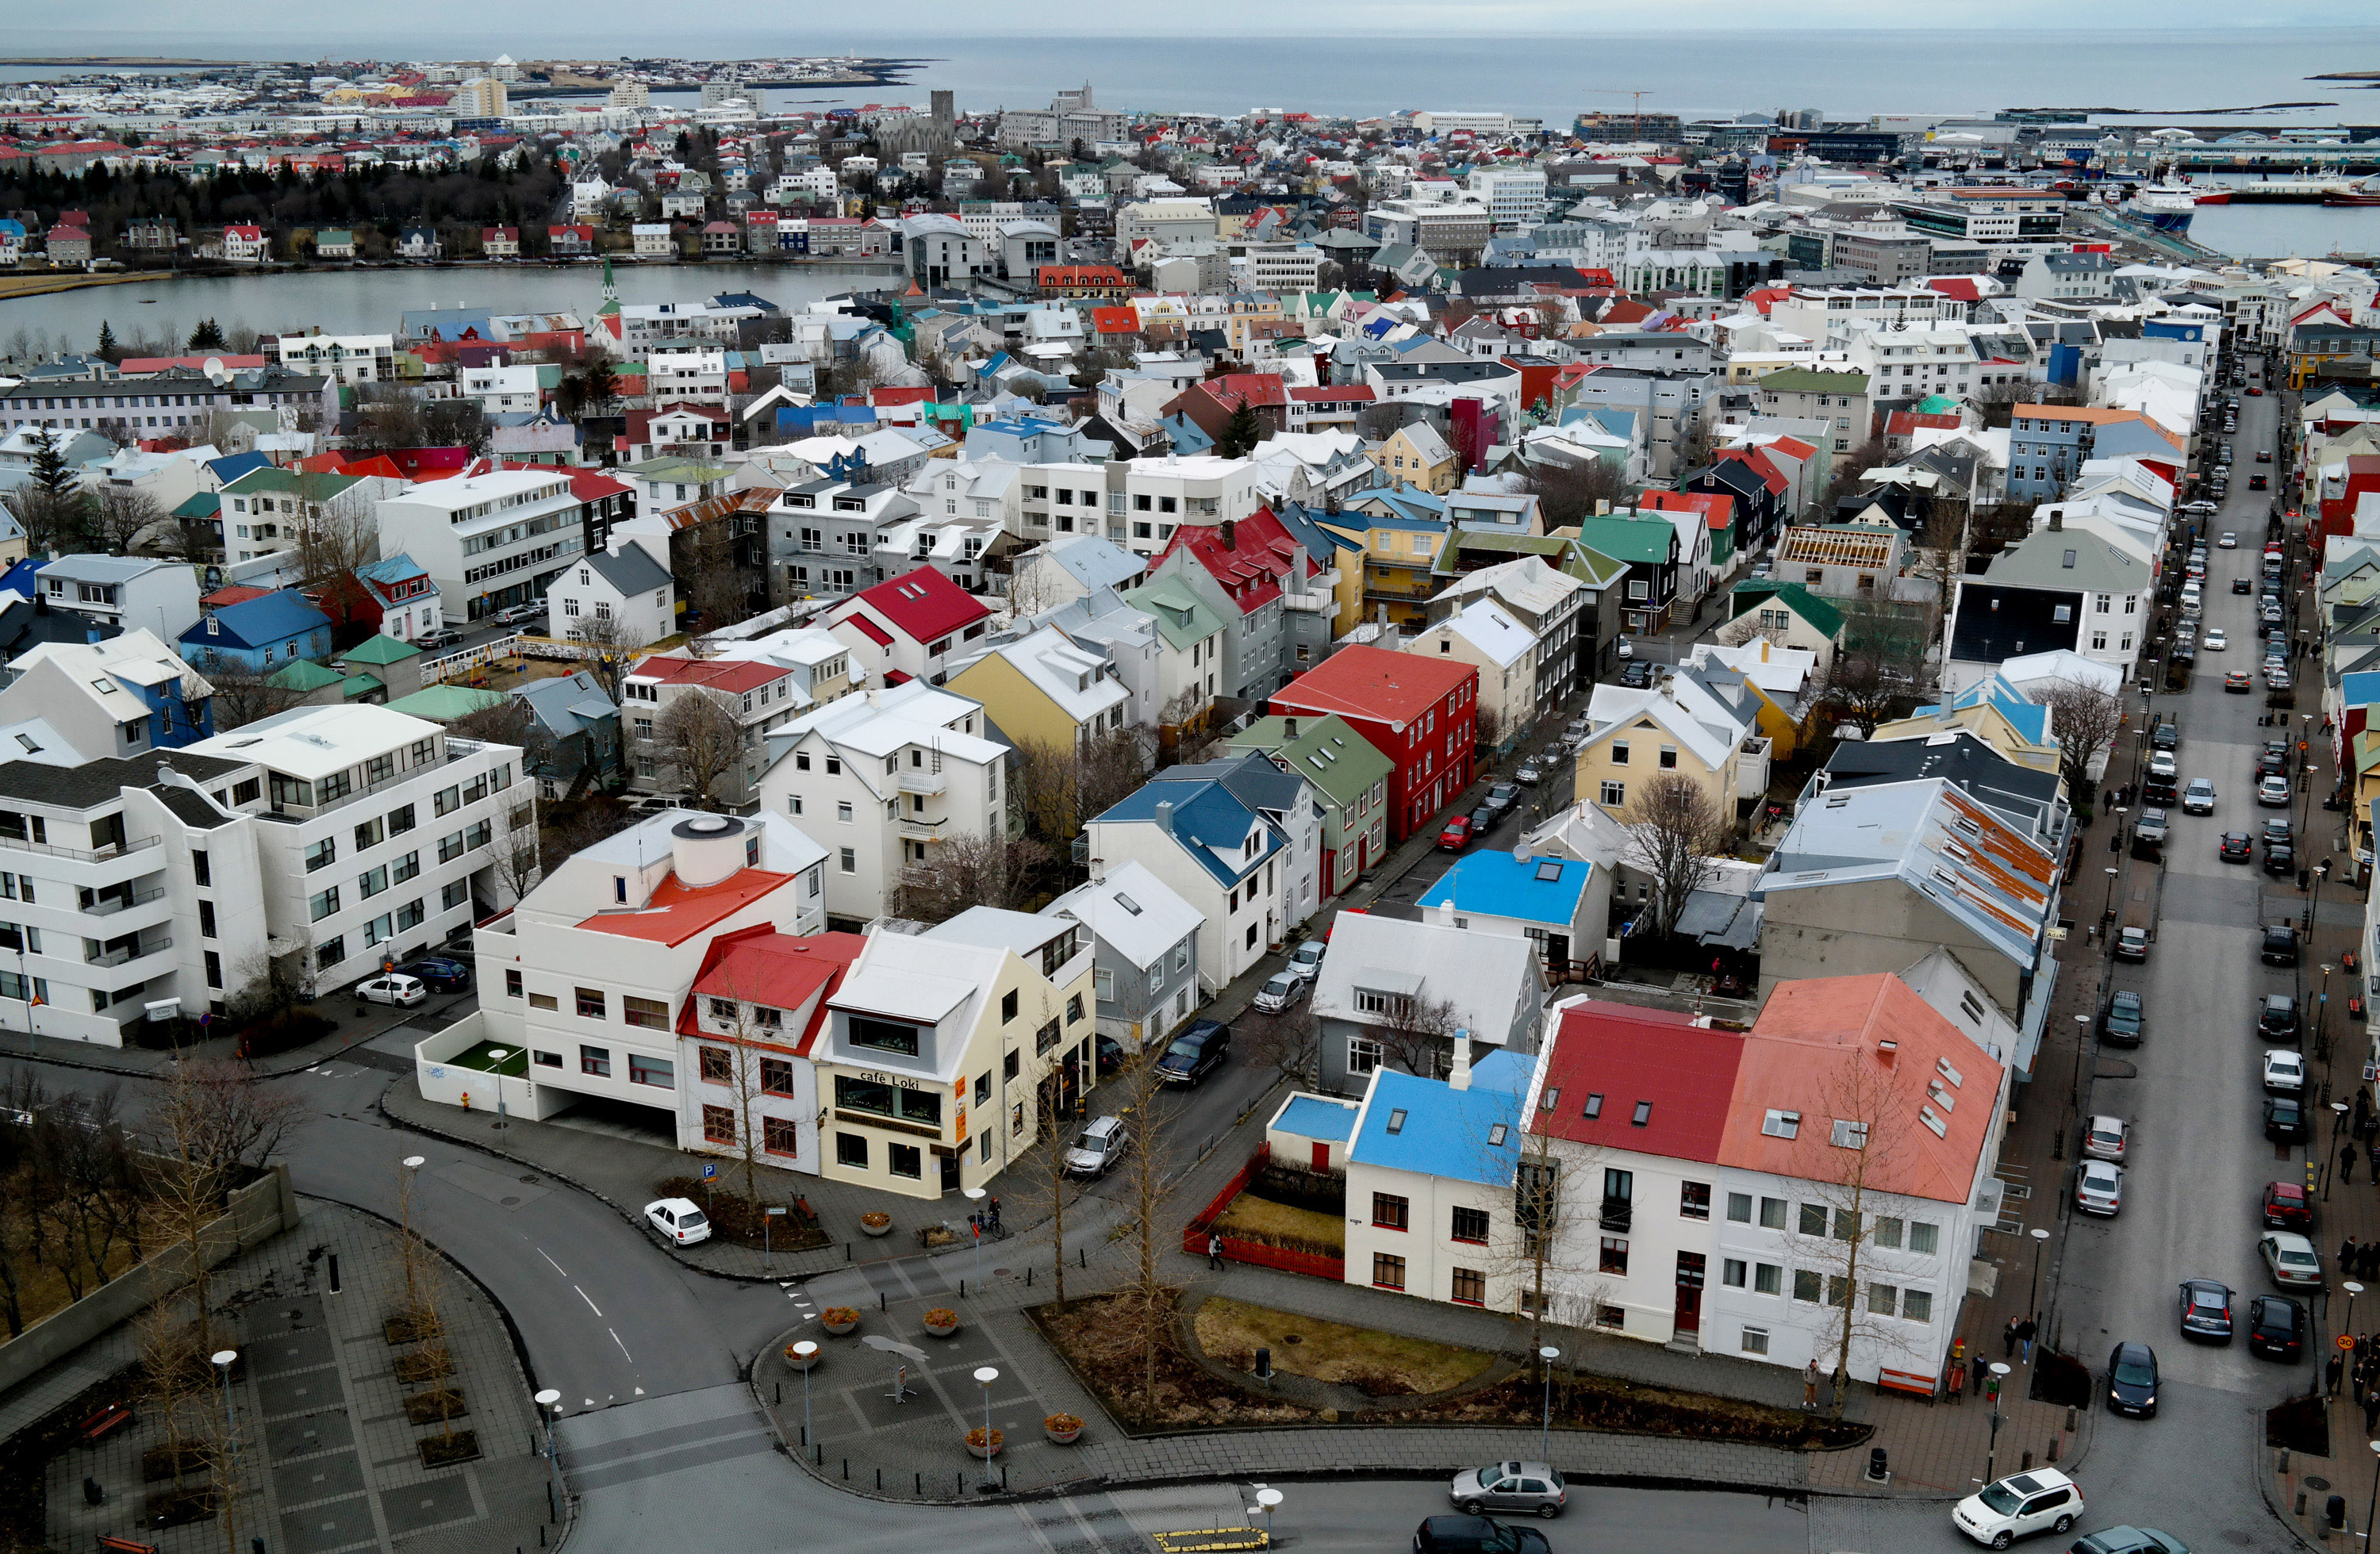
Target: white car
680, 1222
1097, 1148
2228, 541
395, 987
2037, 1500
2272, 793
2108, 1139
2284, 1071
2216, 641
1280, 989
2290, 1259
1307, 959
2199, 797
2099, 1188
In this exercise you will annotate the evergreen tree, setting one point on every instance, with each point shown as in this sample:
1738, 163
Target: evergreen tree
1241, 433
208, 336
107, 350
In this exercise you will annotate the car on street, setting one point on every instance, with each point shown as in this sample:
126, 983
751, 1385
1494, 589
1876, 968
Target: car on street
678, 1220
2205, 1310
2285, 1119
1535, 1487
2241, 585
2199, 797
2237, 680
1528, 774
2259, 482
1196, 1053
1456, 834
1636, 677
2285, 1206
2216, 641
521, 614
1622, 646
395, 987
2129, 1540
439, 974
2255, 392
2277, 679
2131, 943
2284, 1071
2236, 846
2125, 1023
2272, 793
2107, 1138
2290, 1259
2226, 540
2150, 831
2275, 828
430, 641
2264, 455
2037, 1500
1108, 1054
1307, 959
1281, 991
1097, 1147
2166, 736
2099, 1188
2280, 858
2277, 1327
2133, 1380
2271, 763
1503, 797
1476, 1534
2281, 945
2277, 1018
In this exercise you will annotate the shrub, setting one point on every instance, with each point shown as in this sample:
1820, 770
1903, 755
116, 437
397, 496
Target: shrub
1323, 1191
284, 1030
941, 1317
839, 1314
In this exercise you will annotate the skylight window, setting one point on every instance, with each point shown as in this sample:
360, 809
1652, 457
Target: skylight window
1644, 1114
1128, 904
1549, 868
103, 684
1593, 1107
1781, 1124
1397, 1121
1849, 1134
1496, 1137
1552, 1099
1943, 1066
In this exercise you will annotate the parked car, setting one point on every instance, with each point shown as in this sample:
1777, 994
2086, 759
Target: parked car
2290, 1259
1636, 677
1624, 648
1456, 835
395, 987
2285, 1119
2129, 1540
1307, 959
2273, 792
521, 614
1097, 1148
2131, 943
1476, 1534
2107, 1138
1503, 798
1196, 1053
2280, 858
679, 1221
2277, 1327
2166, 736
2099, 1188
2237, 680
1281, 991
2285, 1207
1108, 1054
2037, 1500
1527, 774
1531, 1486
2205, 1310
2284, 1071
2125, 1022
2277, 1018
430, 641
439, 974
2133, 1380
2281, 945
2236, 846
2275, 828
2149, 830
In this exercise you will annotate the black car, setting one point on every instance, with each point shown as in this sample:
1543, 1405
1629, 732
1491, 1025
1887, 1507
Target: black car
2280, 858
1501, 798
439, 975
2205, 1310
2125, 1023
1196, 1053
2285, 1121
1637, 674
2278, 747
2166, 736
2269, 764
2281, 945
2277, 1018
2276, 1327
1108, 1054
2275, 828
1476, 1535
2237, 846
2241, 585
2133, 1380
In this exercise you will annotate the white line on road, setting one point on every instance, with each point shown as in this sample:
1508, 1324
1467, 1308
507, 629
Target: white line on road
615, 1338
557, 1266
589, 1300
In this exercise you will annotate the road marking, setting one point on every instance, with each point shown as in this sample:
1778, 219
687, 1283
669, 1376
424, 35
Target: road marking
556, 1266
615, 1338
589, 1300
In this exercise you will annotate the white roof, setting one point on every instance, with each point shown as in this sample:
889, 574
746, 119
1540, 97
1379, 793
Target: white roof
470, 490
313, 742
877, 723
1485, 626
1132, 911
1781, 672
1483, 976
1615, 708
1074, 678
2031, 669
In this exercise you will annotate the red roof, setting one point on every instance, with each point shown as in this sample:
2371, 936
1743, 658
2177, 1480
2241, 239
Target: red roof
734, 676
1793, 447
232, 593
1080, 275
1761, 298
1963, 288
924, 604
1374, 683
777, 971
1337, 394
1116, 321
1900, 423
1752, 459
907, 394
1615, 1058
1716, 508
1249, 558
678, 911
870, 630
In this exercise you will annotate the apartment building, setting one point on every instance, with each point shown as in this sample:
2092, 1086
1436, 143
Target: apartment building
1137, 503
124, 592
824, 535
678, 756
488, 541
351, 358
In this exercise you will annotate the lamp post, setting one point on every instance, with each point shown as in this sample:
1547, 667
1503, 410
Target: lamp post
2040, 1240
2337, 1124
2322, 1008
2353, 1290
1546, 1359
2073, 1088
1268, 1499
976, 1195
496, 1056
2376, 1494
223, 1361
2306, 772
984, 1377
807, 1352
2109, 914
1991, 1458
549, 1403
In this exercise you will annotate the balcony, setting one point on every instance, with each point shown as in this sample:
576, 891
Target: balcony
56, 851
917, 827
126, 955
1618, 1215
111, 905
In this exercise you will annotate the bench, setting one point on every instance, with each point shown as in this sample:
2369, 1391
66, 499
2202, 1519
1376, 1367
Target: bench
114, 1417
109, 1541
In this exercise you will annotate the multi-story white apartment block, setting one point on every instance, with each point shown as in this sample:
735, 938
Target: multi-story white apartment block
1137, 502
351, 358
883, 779
503, 390
1285, 267
478, 535
1515, 194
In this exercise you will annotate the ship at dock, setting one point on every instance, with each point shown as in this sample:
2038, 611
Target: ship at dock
2166, 207
2294, 191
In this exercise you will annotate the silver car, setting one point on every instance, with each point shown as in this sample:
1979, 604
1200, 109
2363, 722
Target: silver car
1533, 1487
1281, 990
1098, 1146
2099, 1188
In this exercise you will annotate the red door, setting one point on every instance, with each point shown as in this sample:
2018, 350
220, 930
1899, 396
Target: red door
1690, 1291
1321, 1159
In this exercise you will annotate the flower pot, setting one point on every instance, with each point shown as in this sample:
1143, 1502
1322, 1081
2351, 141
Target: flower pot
979, 1446
838, 1319
1062, 1438
941, 1329
940, 1322
804, 1362
875, 1223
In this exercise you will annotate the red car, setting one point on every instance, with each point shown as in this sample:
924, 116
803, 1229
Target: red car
2287, 1205
2255, 392
1456, 834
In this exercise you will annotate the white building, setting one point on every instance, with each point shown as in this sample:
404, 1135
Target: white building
125, 591
624, 600
479, 534
117, 698
351, 358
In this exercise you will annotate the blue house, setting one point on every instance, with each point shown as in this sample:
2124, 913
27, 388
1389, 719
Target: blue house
262, 634
1560, 905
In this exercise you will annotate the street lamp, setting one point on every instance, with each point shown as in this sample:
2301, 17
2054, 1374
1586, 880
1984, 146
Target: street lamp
807, 1352
2110, 914
2322, 1005
2337, 1125
2040, 1240
549, 1403
1546, 1357
2353, 1290
2073, 1088
222, 1359
1267, 1497
1991, 1460
2376, 1494
984, 1377
975, 1196
496, 1055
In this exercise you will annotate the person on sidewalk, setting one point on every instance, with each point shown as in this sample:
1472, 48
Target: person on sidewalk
2346, 1163
1810, 1386
1214, 1250
2331, 1373
2346, 1253
1975, 1378
2008, 1336
2373, 1148
2024, 1331
2371, 1410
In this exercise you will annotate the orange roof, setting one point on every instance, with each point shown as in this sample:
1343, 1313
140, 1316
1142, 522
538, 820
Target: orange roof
2097, 415
1820, 1050
678, 912
785, 971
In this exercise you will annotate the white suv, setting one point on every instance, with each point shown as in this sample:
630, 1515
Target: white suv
2040, 1501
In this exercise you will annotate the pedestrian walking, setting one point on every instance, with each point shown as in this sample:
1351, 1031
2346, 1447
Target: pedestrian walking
2373, 1149
2331, 1373
2371, 1410
1214, 1250
2007, 1340
2024, 1331
2368, 1260
1976, 1374
1809, 1386
2347, 1252
2346, 1163
995, 1214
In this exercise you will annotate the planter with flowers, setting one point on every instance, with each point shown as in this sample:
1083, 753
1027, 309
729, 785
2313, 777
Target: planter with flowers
838, 1319
942, 1322
804, 1362
876, 1223
1063, 1429
984, 1443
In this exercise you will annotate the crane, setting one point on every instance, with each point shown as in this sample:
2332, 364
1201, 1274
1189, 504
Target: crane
1636, 122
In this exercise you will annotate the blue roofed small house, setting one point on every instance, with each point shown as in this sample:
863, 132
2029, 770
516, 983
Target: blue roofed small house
1560, 905
1312, 1133
575, 744
260, 634
1145, 939
1434, 1161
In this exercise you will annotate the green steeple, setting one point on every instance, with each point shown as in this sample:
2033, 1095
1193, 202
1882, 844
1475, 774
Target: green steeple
611, 292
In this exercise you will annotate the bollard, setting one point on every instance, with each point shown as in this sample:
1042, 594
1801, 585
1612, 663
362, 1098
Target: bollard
846, 1251
1082, 1257
961, 1289
2028, 1461
879, 1481
921, 1485
2052, 1457
2284, 1460
2072, 1424
334, 1273
1003, 1478
541, 1538
880, 1300
92, 1493
2301, 1510
781, 1394
1877, 1471
2334, 1512
846, 1469
552, 1513
1028, 1276
817, 1452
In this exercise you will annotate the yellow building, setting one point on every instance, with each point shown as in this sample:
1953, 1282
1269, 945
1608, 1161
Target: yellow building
1418, 456
1635, 735
1044, 689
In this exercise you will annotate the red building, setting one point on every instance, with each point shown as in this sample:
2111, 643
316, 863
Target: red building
1423, 714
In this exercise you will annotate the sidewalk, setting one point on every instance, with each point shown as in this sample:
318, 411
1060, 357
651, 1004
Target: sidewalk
348, 1031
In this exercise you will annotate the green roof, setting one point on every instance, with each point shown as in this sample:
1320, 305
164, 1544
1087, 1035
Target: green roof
1937, 405
1630, 538
309, 483
1591, 567
203, 505
305, 678
1800, 379
444, 704
379, 648
1328, 752
1181, 616
363, 685
1755, 591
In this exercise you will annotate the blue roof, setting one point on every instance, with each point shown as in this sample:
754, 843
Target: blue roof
1205, 818
2360, 689
2031, 721
1313, 1117
272, 618
1410, 502
231, 467
1440, 1131
1542, 890
395, 569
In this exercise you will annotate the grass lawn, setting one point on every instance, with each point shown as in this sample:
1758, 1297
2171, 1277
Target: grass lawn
1331, 1351
516, 1062
1249, 1212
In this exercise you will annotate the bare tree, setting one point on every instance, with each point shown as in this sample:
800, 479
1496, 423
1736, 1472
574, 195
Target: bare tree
242, 692
1186, 722
332, 538
1567, 493
973, 869
119, 515
1151, 1301
2084, 719
737, 1067
1675, 835
1062, 786
1284, 1041
500, 723
609, 645
1416, 1033
1883, 663
702, 743
708, 574
224, 1122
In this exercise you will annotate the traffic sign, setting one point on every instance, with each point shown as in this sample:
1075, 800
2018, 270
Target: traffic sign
709, 1171
2347, 1340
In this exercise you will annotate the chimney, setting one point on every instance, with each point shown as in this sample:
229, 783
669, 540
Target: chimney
2057, 521
1289, 728
1165, 815
1231, 535
1461, 1078
1886, 1050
